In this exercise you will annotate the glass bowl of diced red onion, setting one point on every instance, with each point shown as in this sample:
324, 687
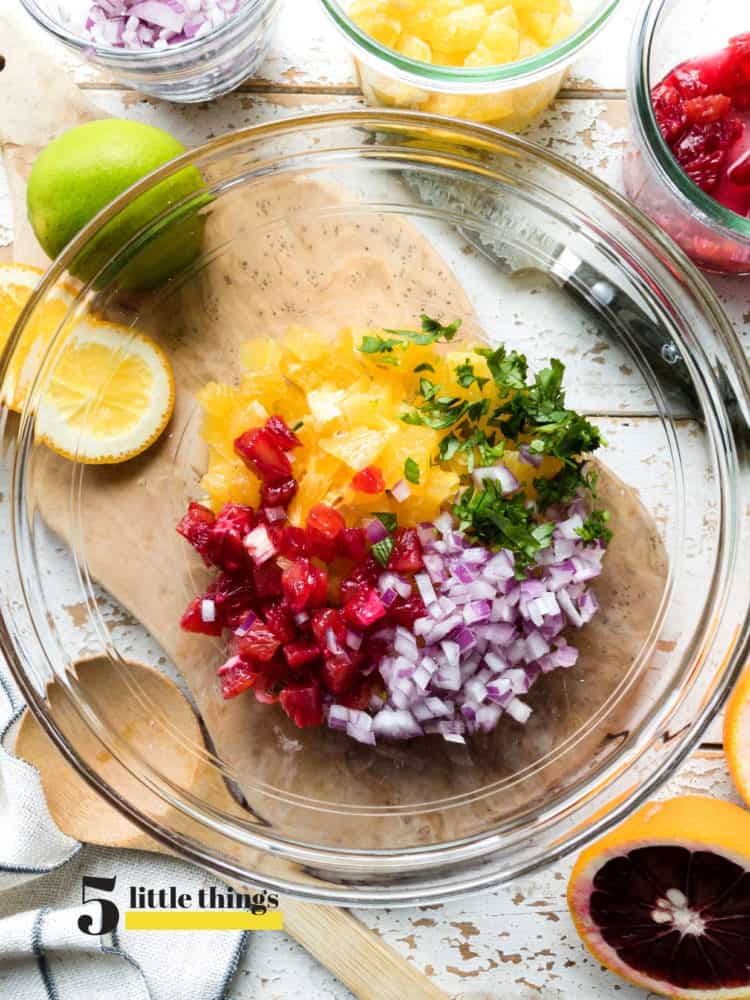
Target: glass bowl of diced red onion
177, 50
688, 161
511, 747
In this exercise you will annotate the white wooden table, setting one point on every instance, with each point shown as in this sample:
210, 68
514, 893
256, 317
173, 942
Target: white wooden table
515, 942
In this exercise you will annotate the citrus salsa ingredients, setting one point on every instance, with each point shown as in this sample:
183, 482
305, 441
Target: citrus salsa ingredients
84, 170
426, 580
663, 899
471, 33
155, 24
702, 108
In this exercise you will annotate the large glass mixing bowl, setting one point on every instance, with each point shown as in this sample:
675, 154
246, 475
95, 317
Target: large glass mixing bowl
340, 219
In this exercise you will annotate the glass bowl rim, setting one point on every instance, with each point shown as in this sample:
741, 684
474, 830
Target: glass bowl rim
129, 56
480, 847
420, 73
644, 121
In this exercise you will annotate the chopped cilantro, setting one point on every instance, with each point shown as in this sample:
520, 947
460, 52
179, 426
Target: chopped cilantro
382, 550
466, 376
507, 370
432, 332
379, 345
298, 426
411, 471
388, 520
595, 527
424, 367
503, 522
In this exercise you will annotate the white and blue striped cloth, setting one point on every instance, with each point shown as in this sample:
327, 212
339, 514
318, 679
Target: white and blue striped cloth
43, 954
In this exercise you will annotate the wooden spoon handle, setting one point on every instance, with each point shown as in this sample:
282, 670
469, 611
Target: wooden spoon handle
371, 969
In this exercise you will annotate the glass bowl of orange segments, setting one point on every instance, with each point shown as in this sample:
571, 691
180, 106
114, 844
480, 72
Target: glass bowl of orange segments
320, 221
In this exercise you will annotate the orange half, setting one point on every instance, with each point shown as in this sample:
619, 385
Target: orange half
664, 900
737, 736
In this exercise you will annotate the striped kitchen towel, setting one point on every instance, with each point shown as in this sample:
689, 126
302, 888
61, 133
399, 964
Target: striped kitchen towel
44, 955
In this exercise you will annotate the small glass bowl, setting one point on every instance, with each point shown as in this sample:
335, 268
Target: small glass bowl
667, 33
511, 95
199, 70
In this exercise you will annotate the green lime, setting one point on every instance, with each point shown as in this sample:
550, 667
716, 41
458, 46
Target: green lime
85, 169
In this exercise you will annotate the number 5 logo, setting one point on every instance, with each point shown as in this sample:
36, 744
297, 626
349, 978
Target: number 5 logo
109, 915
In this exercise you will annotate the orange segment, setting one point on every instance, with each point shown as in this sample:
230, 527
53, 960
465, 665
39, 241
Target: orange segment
664, 899
17, 282
737, 736
109, 395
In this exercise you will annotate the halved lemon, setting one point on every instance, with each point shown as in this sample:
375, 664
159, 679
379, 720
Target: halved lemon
17, 282
737, 735
109, 395
664, 900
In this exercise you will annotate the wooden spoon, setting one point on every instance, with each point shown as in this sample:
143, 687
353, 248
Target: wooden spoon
364, 963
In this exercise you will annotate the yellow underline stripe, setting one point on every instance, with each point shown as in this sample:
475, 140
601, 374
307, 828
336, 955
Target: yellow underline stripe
202, 920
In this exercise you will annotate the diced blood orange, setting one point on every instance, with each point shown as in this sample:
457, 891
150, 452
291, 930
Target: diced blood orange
360, 694
298, 582
236, 676
339, 672
365, 608
406, 556
301, 652
369, 480
303, 704
278, 494
192, 620
234, 596
405, 611
363, 575
279, 619
225, 548
259, 644
325, 527
293, 542
326, 619
267, 579
259, 451
282, 434
197, 527
353, 544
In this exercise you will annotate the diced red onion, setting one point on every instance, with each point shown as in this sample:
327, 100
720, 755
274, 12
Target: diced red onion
301, 617
392, 581
155, 24
388, 597
338, 717
395, 725
246, 624
435, 567
376, 531
425, 588
275, 514
353, 639
500, 473
529, 457
519, 711
487, 717
401, 491
259, 545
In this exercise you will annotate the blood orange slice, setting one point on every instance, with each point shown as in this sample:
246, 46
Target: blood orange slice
664, 900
